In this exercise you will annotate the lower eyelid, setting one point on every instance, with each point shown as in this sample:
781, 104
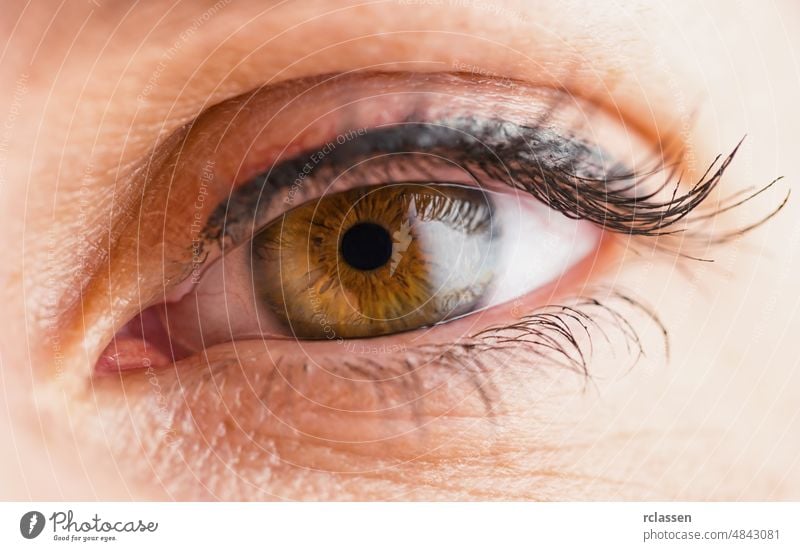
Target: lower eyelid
396, 359
265, 389
271, 395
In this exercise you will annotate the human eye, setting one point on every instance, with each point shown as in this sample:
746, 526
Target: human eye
443, 209
356, 262
380, 260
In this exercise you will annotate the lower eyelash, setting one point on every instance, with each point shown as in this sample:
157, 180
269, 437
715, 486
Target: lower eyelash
561, 173
557, 336
557, 330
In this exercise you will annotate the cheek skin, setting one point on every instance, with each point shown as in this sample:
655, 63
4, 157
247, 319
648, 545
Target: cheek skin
270, 426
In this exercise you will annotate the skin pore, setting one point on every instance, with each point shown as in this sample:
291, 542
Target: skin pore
90, 235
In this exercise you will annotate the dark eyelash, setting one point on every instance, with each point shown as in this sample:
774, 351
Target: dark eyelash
565, 173
561, 336
630, 203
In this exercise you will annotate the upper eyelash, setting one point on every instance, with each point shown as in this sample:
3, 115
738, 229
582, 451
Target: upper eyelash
565, 173
625, 202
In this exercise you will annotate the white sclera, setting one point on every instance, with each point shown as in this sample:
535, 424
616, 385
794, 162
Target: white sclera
538, 245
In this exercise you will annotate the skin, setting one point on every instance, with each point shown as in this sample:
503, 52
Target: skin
718, 419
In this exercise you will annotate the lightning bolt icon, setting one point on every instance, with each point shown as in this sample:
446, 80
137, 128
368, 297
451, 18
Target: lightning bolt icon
33, 523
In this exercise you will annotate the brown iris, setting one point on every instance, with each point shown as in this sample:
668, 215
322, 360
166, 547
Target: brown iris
378, 260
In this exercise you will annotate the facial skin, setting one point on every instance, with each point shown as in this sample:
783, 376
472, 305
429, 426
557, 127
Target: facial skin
92, 89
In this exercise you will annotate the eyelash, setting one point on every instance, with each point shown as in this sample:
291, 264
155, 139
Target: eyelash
564, 173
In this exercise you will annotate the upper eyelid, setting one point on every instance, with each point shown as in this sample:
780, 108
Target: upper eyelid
216, 230
610, 198
440, 137
469, 141
247, 101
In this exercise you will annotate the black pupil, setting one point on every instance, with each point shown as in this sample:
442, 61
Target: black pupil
366, 246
